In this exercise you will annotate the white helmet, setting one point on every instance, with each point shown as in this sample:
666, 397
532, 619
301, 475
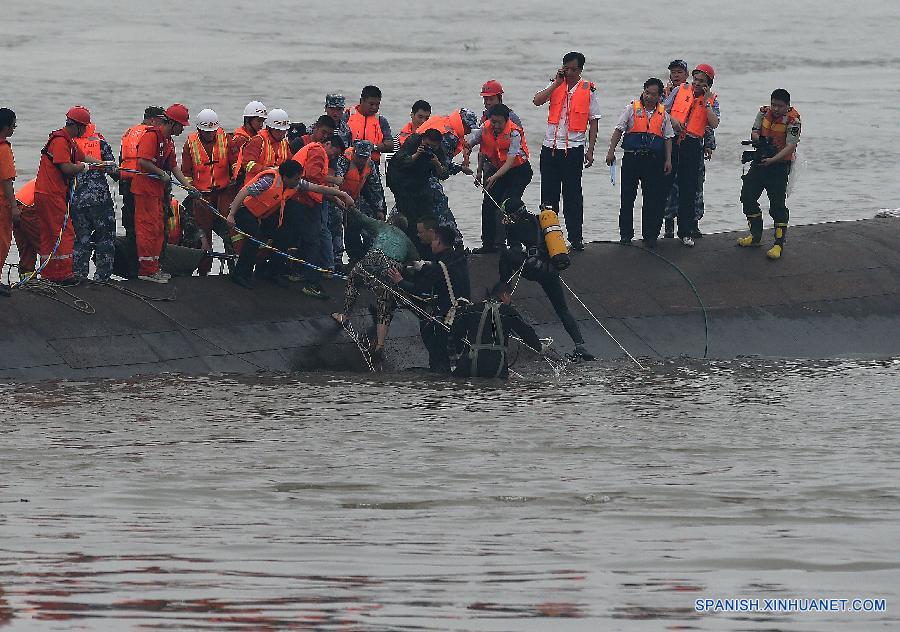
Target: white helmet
207, 121
255, 108
278, 119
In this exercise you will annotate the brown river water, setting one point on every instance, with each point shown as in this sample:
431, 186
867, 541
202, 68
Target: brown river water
607, 498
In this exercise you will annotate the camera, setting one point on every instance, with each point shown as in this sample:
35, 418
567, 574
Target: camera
762, 148
428, 152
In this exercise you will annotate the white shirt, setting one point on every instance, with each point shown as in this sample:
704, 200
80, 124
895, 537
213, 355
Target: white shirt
557, 133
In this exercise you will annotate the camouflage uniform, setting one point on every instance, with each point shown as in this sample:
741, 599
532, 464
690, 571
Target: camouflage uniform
94, 221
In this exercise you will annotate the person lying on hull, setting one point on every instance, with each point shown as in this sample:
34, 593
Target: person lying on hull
479, 337
528, 251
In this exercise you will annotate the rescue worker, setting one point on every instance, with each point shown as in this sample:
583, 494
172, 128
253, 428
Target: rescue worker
260, 210
572, 119
692, 107
315, 235
61, 161
365, 123
269, 148
678, 72
9, 209
357, 171
157, 159
204, 159
335, 104
479, 337
153, 116
527, 251
93, 213
409, 172
27, 231
255, 114
647, 160
779, 123
420, 112
504, 155
320, 131
391, 250
446, 280
492, 94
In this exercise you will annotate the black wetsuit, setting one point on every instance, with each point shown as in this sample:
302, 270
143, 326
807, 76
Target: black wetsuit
481, 341
526, 243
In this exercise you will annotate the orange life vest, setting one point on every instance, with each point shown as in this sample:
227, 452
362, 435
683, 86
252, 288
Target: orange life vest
25, 196
311, 198
354, 179
128, 153
173, 223
209, 173
451, 123
496, 147
405, 133
776, 129
646, 133
579, 105
270, 200
272, 155
50, 177
366, 128
240, 137
89, 144
690, 111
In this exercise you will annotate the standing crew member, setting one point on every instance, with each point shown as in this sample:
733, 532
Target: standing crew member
61, 160
647, 160
128, 159
527, 251
27, 231
93, 213
366, 124
359, 181
693, 108
420, 112
778, 126
334, 108
480, 335
204, 159
9, 209
492, 94
156, 157
503, 155
572, 119
269, 148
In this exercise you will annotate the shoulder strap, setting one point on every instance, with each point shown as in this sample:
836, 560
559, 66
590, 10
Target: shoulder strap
453, 302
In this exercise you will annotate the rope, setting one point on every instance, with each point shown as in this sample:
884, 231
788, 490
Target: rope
50, 290
348, 329
62, 230
597, 320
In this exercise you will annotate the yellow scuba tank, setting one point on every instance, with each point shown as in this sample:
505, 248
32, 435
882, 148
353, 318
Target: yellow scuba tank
553, 237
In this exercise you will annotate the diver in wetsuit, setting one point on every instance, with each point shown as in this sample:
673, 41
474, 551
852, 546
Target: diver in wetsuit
528, 250
480, 335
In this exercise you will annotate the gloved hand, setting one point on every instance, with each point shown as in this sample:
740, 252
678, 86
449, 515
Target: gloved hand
418, 265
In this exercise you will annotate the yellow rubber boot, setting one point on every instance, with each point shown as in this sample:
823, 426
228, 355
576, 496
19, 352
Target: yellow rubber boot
748, 242
755, 236
775, 251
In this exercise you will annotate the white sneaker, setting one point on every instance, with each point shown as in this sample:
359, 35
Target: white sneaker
687, 241
159, 277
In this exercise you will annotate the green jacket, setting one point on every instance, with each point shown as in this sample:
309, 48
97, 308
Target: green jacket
389, 239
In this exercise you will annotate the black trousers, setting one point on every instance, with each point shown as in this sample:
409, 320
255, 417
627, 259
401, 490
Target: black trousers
773, 180
645, 169
511, 185
283, 237
435, 339
561, 170
130, 245
686, 159
308, 237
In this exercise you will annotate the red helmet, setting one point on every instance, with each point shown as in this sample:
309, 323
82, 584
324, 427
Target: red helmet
707, 70
178, 113
79, 114
491, 88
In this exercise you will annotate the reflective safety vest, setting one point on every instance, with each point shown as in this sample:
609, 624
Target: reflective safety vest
366, 128
173, 223
646, 133
777, 129
25, 196
128, 153
579, 105
270, 200
690, 111
273, 152
496, 147
89, 144
209, 173
354, 179
240, 138
310, 198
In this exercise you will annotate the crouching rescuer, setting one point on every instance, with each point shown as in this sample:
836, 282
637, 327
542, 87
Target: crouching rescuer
774, 136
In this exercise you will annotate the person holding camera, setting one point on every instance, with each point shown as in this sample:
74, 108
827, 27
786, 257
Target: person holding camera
775, 134
647, 146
